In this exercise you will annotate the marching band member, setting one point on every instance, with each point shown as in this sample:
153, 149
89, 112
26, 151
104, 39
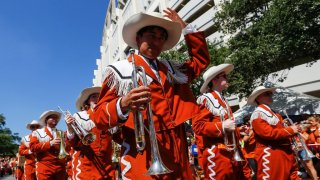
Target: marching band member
249, 144
217, 161
273, 154
92, 161
167, 91
45, 143
24, 150
20, 163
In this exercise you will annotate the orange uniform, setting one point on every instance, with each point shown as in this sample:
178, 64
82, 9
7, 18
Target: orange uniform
274, 156
249, 147
92, 161
314, 138
217, 162
19, 174
172, 104
30, 163
48, 165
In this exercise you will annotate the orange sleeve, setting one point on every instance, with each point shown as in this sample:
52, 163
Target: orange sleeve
203, 126
105, 113
264, 130
199, 55
23, 150
37, 146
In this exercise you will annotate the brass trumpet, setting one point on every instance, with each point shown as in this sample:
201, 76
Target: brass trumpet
62, 152
230, 146
157, 167
309, 154
86, 137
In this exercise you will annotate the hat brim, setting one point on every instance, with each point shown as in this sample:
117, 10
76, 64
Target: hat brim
140, 20
255, 94
33, 123
226, 68
46, 114
84, 95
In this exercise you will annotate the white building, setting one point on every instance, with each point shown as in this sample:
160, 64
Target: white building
200, 13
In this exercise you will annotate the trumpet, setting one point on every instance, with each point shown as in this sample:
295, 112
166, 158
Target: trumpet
230, 146
86, 137
157, 167
62, 152
308, 154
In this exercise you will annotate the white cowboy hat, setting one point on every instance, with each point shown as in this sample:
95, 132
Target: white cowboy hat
84, 95
256, 92
213, 72
33, 122
42, 120
140, 20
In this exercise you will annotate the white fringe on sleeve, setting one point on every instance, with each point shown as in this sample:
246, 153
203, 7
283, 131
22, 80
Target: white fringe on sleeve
211, 103
119, 77
174, 72
265, 115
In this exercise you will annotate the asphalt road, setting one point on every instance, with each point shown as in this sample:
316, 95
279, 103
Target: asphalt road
7, 177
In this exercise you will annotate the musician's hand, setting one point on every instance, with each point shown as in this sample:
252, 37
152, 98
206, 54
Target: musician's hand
318, 155
136, 99
174, 16
69, 119
55, 141
229, 125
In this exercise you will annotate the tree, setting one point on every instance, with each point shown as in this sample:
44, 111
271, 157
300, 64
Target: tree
180, 54
8, 145
268, 36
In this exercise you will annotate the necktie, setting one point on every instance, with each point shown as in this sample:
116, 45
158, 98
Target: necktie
153, 64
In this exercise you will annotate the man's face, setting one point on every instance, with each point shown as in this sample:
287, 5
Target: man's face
151, 42
34, 127
52, 121
265, 98
93, 100
221, 81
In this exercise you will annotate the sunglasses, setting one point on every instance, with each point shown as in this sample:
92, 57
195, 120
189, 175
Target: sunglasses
34, 127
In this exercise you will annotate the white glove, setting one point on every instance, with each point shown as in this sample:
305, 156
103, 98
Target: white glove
228, 125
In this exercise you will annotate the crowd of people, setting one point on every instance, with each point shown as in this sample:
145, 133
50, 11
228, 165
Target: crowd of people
144, 110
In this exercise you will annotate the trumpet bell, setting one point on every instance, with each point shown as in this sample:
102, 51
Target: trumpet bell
157, 168
88, 139
62, 152
63, 155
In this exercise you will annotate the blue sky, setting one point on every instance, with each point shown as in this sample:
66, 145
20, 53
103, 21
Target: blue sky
48, 52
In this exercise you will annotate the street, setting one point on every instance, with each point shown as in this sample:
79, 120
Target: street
7, 177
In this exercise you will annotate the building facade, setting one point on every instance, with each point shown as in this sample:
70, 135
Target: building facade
200, 13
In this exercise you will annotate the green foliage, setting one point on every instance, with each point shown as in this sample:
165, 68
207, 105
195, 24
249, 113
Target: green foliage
217, 56
272, 35
2, 121
8, 141
267, 36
